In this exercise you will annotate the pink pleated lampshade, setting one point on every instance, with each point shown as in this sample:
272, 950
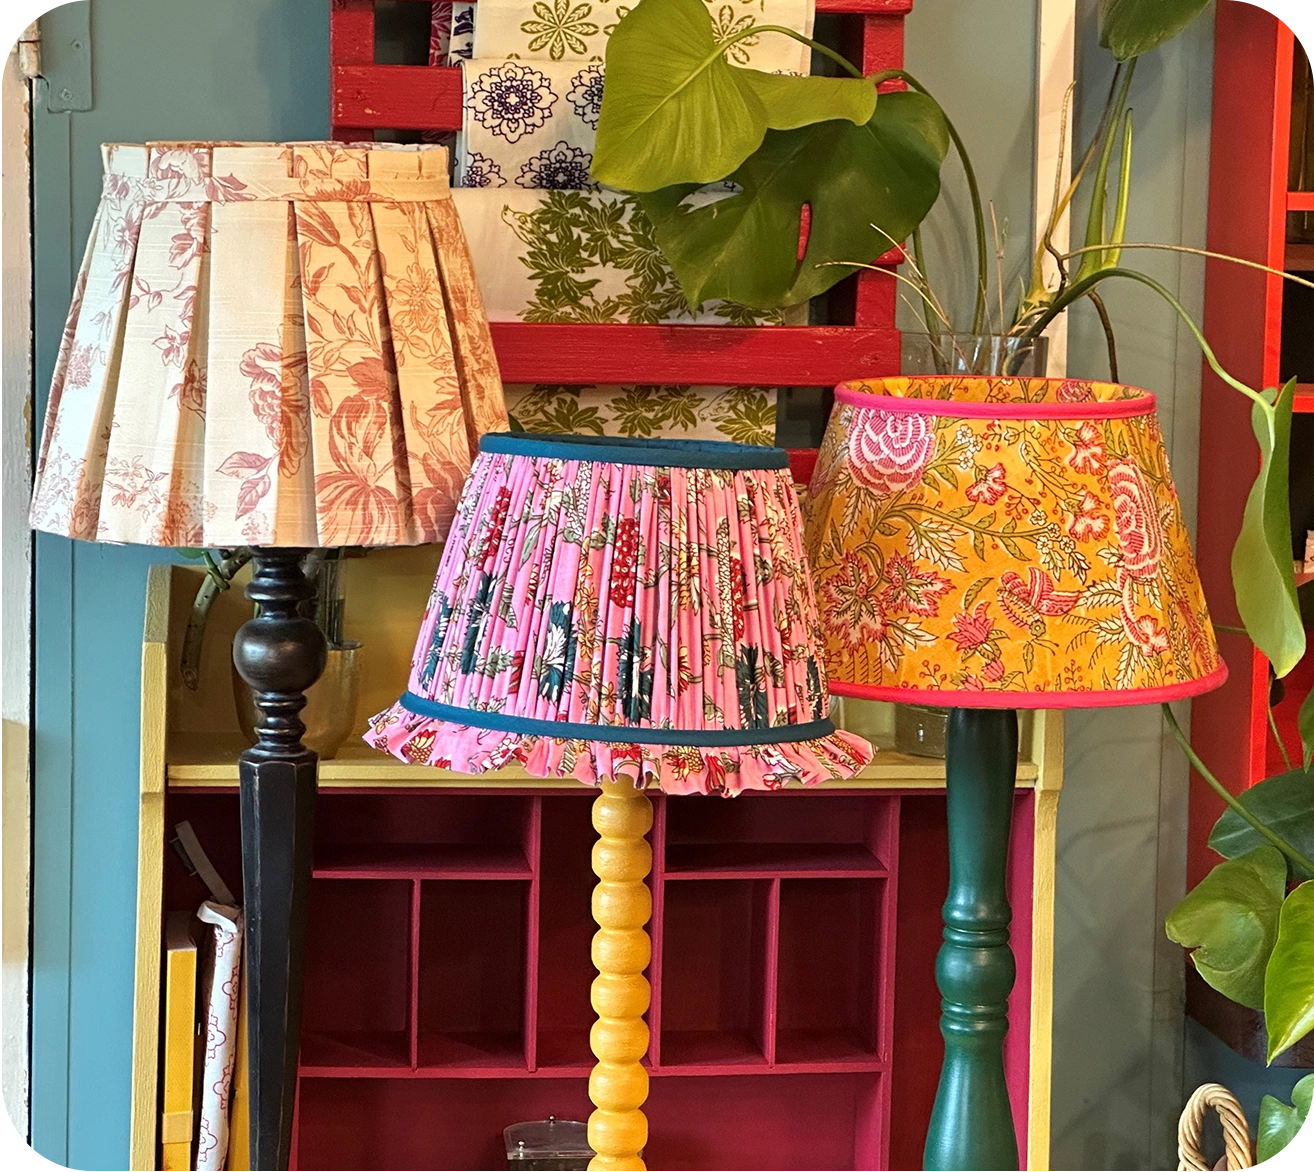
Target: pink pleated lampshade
610, 607
269, 344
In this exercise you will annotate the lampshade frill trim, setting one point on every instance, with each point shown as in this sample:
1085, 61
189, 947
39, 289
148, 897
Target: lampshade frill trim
1004, 543
269, 344
631, 597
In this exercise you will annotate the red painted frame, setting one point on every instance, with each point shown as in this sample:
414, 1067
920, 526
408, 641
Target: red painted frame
365, 97
1248, 202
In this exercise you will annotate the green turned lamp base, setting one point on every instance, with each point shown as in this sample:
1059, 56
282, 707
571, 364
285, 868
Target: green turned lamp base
972, 1122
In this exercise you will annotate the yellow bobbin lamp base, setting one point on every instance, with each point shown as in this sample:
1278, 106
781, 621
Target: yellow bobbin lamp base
622, 906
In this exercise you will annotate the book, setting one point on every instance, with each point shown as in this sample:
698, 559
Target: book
181, 1030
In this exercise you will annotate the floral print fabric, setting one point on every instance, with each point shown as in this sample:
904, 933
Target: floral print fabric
269, 344
744, 415
631, 597
577, 30
529, 124
1006, 542
580, 256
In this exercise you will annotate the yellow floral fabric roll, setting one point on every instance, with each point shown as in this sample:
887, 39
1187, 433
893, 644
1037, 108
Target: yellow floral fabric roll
1004, 542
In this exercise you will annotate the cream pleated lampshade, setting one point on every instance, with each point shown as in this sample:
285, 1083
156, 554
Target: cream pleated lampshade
269, 344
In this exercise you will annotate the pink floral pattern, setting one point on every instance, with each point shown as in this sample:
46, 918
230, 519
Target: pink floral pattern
890, 451
269, 344
626, 597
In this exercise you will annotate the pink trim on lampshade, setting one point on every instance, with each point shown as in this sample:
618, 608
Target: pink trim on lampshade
970, 698
1143, 404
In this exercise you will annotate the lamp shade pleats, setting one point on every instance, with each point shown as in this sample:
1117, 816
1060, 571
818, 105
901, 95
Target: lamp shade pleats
269, 344
610, 608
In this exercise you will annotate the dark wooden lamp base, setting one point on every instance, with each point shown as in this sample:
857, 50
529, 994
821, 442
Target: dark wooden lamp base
279, 653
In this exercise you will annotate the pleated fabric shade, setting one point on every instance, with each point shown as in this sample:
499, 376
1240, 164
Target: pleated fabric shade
1004, 543
611, 608
270, 344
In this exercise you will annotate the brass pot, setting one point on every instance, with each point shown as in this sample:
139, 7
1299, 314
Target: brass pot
330, 711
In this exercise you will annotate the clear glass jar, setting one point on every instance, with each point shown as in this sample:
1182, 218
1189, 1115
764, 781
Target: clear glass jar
968, 354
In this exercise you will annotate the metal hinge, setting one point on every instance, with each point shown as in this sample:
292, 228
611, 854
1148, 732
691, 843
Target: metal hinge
66, 57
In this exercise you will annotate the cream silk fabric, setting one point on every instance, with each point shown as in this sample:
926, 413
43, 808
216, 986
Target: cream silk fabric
269, 344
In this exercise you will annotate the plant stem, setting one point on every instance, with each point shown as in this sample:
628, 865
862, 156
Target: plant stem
1277, 736
1222, 791
1098, 302
824, 50
974, 190
1080, 289
932, 330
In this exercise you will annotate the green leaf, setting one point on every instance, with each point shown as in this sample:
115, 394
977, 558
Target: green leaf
1285, 804
1278, 1123
745, 247
1305, 722
1262, 574
675, 111
1289, 981
1129, 28
1230, 919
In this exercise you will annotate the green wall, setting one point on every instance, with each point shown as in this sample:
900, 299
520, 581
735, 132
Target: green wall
257, 69
203, 69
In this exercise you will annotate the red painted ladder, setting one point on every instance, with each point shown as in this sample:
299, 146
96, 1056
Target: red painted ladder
366, 97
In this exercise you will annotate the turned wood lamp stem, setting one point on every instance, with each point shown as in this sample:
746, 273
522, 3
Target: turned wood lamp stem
622, 906
279, 653
972, 1122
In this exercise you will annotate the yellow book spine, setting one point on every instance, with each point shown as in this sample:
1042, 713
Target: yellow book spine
239, 1119
177, 1119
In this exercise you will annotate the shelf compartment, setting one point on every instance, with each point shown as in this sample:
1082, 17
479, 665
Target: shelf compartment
788, 1122
564, 969
420, 861
828, 981
356, 1009
758, 860
349, 1054
713, 988
392, 835
784, 834
472, 950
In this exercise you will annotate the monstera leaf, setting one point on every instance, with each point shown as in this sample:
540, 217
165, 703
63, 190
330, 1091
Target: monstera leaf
1289, 982
675, 111
867, 187
1129, 28
1285, 804
1230, 919
1261, 559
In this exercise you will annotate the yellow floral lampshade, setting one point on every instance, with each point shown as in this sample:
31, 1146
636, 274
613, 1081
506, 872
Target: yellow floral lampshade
271, 344
1004, 542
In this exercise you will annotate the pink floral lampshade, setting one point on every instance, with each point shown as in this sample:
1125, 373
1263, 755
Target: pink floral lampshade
1006, 543
270, 344
609, 607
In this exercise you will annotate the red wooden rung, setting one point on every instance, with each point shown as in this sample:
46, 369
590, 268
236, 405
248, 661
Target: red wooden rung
580, 355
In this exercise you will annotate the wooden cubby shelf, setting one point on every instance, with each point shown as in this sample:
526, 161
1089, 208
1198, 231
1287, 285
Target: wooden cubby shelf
448, 948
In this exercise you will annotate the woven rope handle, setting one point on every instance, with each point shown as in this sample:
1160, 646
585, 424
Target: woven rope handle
1236, 1132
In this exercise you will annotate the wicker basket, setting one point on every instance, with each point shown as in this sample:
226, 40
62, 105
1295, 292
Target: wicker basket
1236, 1132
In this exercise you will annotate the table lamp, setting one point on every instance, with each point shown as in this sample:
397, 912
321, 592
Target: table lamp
623, 612
989, 544
279, 346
